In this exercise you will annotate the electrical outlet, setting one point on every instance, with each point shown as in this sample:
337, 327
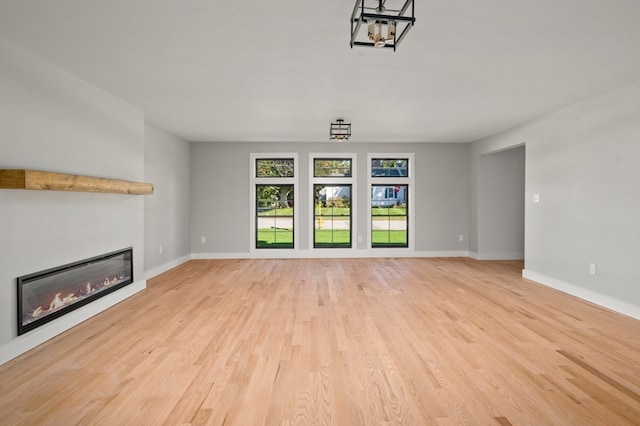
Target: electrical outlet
203, 239
460, 237
537, 198
359, 238
593, 268
160, 249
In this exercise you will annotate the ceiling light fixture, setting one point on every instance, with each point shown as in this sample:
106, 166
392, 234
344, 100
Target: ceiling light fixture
340, 131
381, 23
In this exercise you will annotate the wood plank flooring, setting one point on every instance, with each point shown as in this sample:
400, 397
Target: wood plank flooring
335, 342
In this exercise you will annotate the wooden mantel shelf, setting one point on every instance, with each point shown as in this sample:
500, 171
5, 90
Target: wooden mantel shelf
36, 179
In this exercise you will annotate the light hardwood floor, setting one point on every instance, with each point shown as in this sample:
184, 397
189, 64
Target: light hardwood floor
343, 342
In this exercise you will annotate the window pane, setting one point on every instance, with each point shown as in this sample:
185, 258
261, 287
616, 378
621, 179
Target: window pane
389, 220
274, 216
388, 195
389, 167
332, 167
332, 216
274, 167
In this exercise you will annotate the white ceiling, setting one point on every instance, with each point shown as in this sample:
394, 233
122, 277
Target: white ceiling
282, 70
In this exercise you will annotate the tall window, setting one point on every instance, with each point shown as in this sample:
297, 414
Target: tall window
332, 189
390, 184
274, 216
389, 217
273, 194
332, 216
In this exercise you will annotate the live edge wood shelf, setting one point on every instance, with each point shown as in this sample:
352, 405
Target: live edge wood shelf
36, 179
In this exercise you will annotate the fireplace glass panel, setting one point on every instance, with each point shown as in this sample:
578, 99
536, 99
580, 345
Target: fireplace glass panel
46, 295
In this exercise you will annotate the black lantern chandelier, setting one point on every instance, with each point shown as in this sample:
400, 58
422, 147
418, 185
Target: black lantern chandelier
340, 131
383, 24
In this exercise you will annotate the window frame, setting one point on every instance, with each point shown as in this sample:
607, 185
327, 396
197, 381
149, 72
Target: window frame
313, 167
275, 218
333, 181
255, 167
409, 180
389, 200
390, 176
254, 180
334, 217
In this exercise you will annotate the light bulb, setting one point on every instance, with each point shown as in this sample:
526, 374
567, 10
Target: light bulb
371, 29
391, 31
379, 38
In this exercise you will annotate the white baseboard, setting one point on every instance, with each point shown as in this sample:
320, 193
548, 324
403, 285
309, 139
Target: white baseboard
30, 340
582, 293
329, 254
497, 256
167, 266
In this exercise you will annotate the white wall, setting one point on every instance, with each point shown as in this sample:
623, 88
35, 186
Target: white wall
220, 202
584, 161
166, 213
50, 120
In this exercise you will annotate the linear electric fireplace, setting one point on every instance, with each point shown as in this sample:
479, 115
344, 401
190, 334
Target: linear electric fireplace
47, 295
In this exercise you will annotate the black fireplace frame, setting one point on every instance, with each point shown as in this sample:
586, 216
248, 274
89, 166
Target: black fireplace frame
93, 295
